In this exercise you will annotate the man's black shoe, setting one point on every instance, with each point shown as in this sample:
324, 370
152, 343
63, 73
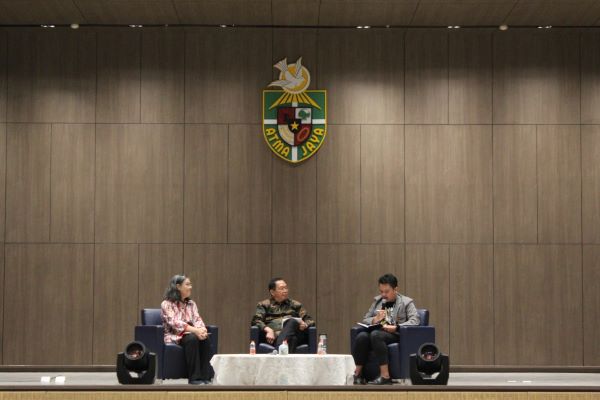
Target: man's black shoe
359, 380
380, 381
197, 382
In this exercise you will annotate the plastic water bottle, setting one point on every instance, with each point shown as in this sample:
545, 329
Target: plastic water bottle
322, 348
283, 348
252, 347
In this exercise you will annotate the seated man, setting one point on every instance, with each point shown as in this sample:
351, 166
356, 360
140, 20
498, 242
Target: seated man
282, 318
390, 310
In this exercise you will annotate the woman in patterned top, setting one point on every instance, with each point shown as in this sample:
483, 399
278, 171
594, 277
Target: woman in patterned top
183, 325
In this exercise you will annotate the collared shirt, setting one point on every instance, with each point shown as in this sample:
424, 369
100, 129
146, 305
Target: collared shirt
175, 316
271, 313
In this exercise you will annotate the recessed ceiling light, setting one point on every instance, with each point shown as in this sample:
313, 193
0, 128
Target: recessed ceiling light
135, 26
548, 26
223, 26
359, 27
48, 26
456, 26
74, 26
366, 26
503, 27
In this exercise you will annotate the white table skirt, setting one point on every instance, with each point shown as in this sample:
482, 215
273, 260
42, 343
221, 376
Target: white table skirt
293, 369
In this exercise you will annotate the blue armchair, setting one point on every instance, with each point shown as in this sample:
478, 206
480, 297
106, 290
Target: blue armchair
263, 347
171, 359
410, 338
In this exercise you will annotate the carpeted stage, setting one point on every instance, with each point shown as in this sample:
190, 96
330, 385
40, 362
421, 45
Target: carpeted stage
462, 385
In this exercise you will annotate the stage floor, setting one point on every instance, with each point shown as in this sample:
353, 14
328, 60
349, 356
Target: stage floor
488, 380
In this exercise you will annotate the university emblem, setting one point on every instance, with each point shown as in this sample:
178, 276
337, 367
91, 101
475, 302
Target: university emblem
294, 118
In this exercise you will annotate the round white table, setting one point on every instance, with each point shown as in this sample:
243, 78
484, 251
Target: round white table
292, 369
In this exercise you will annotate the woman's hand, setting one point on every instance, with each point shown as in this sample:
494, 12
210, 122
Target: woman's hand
202, 333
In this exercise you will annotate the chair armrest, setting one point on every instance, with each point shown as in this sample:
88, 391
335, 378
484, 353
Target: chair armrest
312, 339
255, 335
406, 332
354, 331
152, 336
214, 337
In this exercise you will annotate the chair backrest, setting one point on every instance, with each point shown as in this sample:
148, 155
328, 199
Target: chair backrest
423, 316
151, 316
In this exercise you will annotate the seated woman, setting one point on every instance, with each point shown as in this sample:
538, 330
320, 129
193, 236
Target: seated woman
183, 325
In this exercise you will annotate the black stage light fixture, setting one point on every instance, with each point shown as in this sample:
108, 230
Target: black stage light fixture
136, 366
429, 366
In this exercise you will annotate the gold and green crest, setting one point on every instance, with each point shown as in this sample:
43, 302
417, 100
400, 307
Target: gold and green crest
294, 118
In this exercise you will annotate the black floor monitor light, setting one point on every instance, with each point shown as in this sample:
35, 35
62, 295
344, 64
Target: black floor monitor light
136, 366
429, 366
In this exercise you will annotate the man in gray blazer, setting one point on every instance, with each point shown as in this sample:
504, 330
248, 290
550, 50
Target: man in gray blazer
389, 310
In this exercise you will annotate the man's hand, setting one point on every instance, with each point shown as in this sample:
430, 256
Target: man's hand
302, 325
270, 335
377, 318
390, 328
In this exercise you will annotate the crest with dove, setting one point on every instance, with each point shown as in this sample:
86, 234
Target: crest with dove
294, 118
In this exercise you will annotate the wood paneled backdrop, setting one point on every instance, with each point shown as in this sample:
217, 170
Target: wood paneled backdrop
465, 162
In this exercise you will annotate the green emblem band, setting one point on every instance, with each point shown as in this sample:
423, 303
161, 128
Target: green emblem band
294, 125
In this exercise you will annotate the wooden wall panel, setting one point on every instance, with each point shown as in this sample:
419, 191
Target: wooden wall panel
382, 184
2, 181
223, 273
470, 74
139, 184
370, 12
590, 78
52, 76
238, 12
219, 89
426, 77
590, 180
162, 81
565, 13
448, 184
295, 12
471, 304
536, 77
58, 283
338, 186
294, 43
119, 76
463, 13
294, 201
538, 303
357, 269
28, 183
3, 74
127, 12
157, 264
559, 183
363, 72
250, 169
297, 265
115, 295
591, 299
515, 184
295, 186
428, 283
206, 177
72, 183
34, 12
2, 292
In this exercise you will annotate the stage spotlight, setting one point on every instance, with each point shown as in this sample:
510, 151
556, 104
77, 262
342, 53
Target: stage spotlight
429, 366
136, 366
